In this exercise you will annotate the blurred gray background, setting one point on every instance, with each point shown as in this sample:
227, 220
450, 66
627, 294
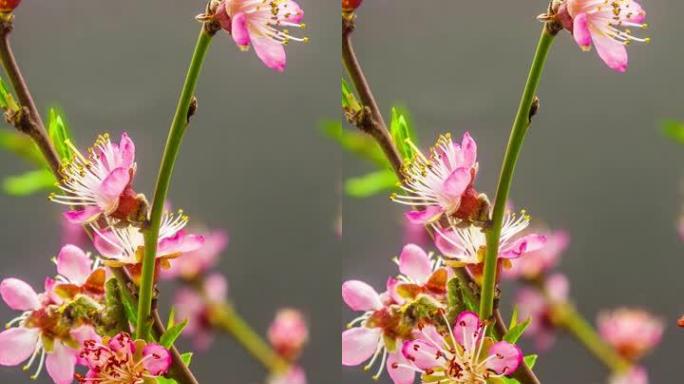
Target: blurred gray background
251, 163
595, 162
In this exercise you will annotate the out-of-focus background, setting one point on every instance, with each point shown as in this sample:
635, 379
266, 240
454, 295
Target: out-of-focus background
595, 162
252, 162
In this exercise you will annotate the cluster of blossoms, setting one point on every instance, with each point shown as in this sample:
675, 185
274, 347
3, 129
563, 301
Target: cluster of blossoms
264, 25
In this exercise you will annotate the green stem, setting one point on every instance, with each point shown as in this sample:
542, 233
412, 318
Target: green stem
173, 142
225, 317
515, 141
567, 317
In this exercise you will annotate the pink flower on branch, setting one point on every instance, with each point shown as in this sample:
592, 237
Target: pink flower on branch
195, 307
632, 332
538, 307
605, 24
197, 262
288, 333
123, 360
464, 354
263, 25
537, 262
420, 274
441, 184
101, 184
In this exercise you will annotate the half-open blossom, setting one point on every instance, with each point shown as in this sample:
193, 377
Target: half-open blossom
441, 183
121, 359
606, 24
537, 262
374, 334
419, 274
201, 260
101, 183
194, 307
467, 246
77, 275
294, 375
124, 246
41, 334
538, 307
632, 332
288, 333
636, 375
264, 25
463, 355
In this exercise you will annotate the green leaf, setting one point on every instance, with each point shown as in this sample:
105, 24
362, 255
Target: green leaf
172, 318
59, 134
4, 95
530, 360
401, 132
515, 332
514, 317
171, 334
165, 380
371, 184
356, 142
22, 146
187, 358
349, 100
29, 183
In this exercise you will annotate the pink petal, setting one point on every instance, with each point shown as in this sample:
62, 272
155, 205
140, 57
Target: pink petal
112, 187
127, 151
457, 182
83, 215
122, 343
422, 354
216, 287
638, 13
469, 148
529, 243
507, 358
157, 359
18, 295
271, 53
360, 296
290, 11
60, 364
612, 52
106, 244
558, 287
415, 263
85, 332
399, 369
425, 216
449, 245
359, 344
467, 328
17, 345
74, 264
239, 29
179, 243
580, 31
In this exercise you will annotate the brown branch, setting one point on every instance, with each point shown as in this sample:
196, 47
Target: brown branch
27, 119
179, 370
372, 122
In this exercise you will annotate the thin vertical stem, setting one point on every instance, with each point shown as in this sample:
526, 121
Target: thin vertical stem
173, 143
515, 142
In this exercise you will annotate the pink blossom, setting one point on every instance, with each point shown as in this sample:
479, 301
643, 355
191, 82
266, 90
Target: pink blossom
467, 246
194, 307
538, 307
124, 246
263, 25
73, 233
288, 333
77, 274
419, 274
37, 336
636, 375
100, 184
605, 24
123, 360
632, 332
194, 263
542, 260
294, 375
464, 355
441, 184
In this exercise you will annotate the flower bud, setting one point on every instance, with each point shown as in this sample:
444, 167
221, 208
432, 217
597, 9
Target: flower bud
350, 5
288, 333
7, 6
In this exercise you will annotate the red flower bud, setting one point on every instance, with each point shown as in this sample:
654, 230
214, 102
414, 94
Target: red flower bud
347, 5
7, 6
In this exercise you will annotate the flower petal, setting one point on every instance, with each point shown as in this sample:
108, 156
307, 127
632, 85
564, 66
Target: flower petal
580, 31
290, 11
425, 216
399, 369
528, 243
360, 296
457, 182
271, 53
17, 345
422, 354
415, 263
238, 29
127, 151
74, 264
18, 295
450, 245
612, 52
106, 244
359, 344
507, 358
60, 364
469, 150
216, 287
181, 242
83, 215
112, 187
467, 329
157, 359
